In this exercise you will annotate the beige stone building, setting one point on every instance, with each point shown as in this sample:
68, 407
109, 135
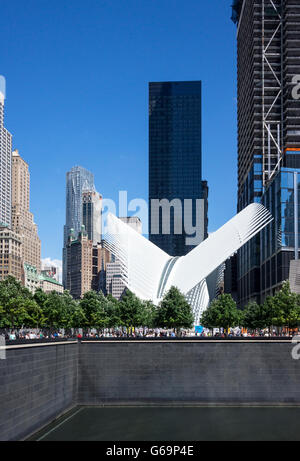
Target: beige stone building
22, 219
10, 255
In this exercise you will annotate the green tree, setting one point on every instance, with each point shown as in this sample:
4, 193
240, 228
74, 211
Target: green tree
272, 314
254, 316
14, 313
16, 304
55, 312
148, 315
92, 305
69, 308
210, 316
174, 311
78, 319
34, 314
12, 288
287, 304
131, 310
40, 297
222, 313
112, 312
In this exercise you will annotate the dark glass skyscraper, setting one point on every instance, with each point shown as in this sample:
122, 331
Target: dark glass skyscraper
175, 161
268, 59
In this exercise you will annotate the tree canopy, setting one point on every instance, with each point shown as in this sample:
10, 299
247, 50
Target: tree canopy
222, 313
19, 308
174, 311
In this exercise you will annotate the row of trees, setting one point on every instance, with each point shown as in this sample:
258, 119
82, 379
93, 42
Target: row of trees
19, 308
280, 310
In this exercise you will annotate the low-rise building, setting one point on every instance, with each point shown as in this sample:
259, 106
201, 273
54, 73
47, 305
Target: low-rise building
31, 277
51, 271
49, 284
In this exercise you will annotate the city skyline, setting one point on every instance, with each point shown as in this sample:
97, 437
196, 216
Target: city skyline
150, 223
102, 148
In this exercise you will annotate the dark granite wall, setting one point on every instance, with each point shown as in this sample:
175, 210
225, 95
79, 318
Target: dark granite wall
36, 385
39, 383
188, 372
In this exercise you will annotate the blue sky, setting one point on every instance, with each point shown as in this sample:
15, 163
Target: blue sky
77, 78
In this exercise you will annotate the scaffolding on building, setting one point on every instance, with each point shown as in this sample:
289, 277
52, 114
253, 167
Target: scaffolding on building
272, 88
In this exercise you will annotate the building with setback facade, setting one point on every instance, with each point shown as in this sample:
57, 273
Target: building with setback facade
23, 222
77, 179
85, 255
20, 246
10, 241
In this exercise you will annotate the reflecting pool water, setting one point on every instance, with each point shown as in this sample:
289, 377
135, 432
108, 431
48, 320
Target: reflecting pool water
175, 424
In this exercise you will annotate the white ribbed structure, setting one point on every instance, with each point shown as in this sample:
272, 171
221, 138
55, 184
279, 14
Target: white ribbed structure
142, 261
149, 272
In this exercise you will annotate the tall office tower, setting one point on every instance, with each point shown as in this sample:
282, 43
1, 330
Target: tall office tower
175, 166
77, 179
91, 214
5, 169
268, 54
22, 219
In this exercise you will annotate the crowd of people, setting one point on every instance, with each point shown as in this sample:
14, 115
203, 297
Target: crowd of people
139, 333
143, 333
93, 334
250, 334
21, 335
